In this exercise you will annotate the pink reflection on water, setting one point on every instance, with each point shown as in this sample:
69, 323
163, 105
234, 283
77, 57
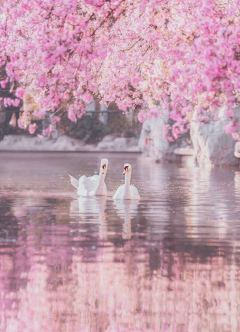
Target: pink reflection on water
60, 289
165, 264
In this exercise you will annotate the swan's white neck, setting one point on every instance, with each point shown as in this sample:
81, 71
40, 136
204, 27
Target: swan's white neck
127, 193
100, 186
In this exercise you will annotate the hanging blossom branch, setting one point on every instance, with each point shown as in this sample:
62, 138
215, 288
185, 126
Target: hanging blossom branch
181, 54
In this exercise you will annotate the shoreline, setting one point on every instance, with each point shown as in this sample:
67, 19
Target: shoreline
69, 151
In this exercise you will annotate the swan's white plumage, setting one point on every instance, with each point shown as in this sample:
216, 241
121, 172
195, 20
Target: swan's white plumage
87, 185
127, 191
119, 194
93, 185
74, 182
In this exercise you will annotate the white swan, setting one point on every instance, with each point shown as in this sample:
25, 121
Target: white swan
94, 185
127, 191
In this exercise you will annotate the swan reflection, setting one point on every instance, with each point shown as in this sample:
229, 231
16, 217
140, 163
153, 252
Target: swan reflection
91, 209
237, 183
128, 208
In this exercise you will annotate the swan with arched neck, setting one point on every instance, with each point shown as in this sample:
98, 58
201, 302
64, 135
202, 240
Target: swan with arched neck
93, 185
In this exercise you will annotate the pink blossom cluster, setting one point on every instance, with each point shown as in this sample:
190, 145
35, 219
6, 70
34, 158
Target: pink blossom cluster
231, 127
11, 102
48, 131
20, 93
4, 83
25, 121
230, 113
172, 133
184, 54
32, 128
148, 114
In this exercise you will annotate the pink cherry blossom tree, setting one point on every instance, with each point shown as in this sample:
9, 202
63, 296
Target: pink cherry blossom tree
183, 55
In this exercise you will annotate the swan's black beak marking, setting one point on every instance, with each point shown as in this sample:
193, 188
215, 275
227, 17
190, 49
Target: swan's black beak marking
104, 167
125, 170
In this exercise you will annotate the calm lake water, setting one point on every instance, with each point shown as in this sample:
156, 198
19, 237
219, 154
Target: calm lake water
170, 262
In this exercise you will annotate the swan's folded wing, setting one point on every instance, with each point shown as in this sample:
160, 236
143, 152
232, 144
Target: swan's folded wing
94, 179
134, 192
93, 182
82, 188
87, 184
74, 182
119, 193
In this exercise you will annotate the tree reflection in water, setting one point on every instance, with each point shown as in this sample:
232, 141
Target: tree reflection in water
169, 262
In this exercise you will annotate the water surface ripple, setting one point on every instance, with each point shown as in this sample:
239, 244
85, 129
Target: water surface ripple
169, 262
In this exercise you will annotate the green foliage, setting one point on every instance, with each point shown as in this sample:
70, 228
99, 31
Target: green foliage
120, 124
88, 128
91, 130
